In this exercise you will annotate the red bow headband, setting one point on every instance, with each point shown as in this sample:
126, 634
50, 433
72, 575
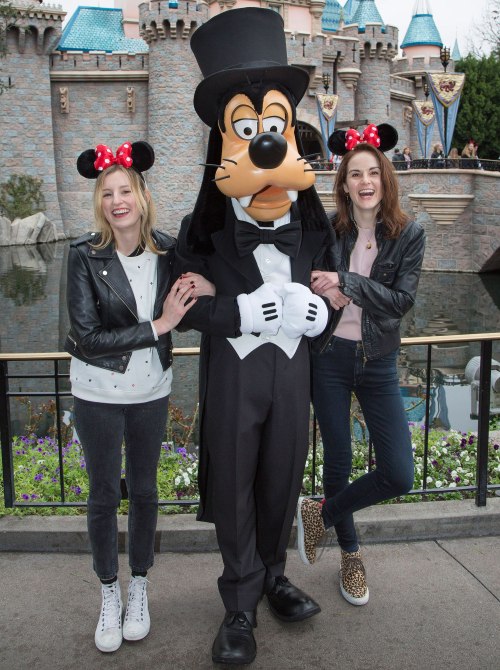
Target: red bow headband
106, 159
137, 155
382, 137
369, 135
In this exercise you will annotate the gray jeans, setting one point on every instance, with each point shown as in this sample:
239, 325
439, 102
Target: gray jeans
102, 428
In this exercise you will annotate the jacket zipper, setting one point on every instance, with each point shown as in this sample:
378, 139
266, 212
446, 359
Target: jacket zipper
120, 298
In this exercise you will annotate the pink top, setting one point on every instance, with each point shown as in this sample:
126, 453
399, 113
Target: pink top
361, 261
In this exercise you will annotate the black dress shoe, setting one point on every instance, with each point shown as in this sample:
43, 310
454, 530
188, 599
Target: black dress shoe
235, 643
289, 603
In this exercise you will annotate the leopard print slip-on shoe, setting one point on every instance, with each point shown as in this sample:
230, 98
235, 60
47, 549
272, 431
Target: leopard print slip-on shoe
352, 574
311, 528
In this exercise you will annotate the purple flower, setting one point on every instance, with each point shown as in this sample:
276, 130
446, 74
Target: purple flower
182, 451
76, 489
496, 447
434, 462
53, 480
457, 479
25, 496
34, 496
38, 477
471, 439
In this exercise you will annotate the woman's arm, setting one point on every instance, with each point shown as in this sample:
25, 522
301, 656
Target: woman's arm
392, 300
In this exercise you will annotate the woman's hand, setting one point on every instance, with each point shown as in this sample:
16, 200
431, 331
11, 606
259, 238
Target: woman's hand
201, 286
322, 281
178, 301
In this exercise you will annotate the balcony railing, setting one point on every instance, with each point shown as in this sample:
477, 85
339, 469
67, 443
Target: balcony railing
59, 380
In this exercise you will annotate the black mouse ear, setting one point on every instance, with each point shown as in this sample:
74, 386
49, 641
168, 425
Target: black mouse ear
143, 156
85, 164
336, 143
388, 136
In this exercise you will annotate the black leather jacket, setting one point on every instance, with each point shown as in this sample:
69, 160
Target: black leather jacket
386, 295
104, 326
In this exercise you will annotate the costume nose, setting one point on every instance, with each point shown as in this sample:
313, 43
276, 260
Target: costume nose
267, 150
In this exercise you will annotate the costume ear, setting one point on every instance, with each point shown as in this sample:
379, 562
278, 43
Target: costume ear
388, 136
85, 164
143, 156
336, 143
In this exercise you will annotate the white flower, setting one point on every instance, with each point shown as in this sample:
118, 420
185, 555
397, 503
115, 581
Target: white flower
454, 473
438, 484
444, 450
466, 481
429, 479
452, 485
177, 480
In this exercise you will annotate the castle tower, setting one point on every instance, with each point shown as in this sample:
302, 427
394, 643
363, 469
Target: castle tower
422, 39
331, 16
377, 48
27, 137
173, 127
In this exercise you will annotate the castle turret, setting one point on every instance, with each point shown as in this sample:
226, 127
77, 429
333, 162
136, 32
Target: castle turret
173, 127
377, 48
422, 39
27, 137
331, 16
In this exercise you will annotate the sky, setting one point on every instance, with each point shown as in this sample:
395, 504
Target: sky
453, 18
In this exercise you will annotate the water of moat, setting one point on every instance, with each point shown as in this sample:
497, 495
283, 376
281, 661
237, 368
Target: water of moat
33, 319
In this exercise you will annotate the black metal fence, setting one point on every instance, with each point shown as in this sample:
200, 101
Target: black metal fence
54, 372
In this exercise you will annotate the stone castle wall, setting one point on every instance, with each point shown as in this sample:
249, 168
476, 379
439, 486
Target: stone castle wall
63, 103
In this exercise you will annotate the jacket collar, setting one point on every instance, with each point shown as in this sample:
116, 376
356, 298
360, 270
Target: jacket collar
162, 241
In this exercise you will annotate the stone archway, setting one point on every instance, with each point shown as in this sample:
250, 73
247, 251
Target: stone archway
310, 136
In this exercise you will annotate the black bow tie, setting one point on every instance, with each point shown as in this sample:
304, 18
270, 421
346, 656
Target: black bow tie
286, 238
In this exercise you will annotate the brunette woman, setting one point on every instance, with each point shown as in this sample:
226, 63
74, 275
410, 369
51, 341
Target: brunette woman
371, 282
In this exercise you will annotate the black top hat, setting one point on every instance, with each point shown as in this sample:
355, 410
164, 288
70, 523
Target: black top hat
242, 46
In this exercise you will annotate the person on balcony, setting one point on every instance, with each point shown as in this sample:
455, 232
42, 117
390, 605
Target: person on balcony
469, 156
121, 312
407, 157
371, 282
437, 160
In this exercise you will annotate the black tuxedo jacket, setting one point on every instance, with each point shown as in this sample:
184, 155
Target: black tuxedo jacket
232, 275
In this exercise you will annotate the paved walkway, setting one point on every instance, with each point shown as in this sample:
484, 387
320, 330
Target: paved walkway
433, 604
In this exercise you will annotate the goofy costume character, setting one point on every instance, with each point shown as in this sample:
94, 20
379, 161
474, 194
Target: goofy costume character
256, 232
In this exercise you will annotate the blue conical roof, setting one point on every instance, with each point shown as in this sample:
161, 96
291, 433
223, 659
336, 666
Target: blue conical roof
98, 29
350, 8
366, 12
422, 29
331, 16
456, 55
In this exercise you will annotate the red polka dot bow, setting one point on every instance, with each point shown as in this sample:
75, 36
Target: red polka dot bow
106, 159
369, 135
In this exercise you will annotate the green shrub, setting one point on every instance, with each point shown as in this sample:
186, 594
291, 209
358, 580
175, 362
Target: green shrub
21, 196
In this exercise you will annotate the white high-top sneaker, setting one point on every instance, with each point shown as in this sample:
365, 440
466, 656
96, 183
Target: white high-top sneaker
137, 622
108, 634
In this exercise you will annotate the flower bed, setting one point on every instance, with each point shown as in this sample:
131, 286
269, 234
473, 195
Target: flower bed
451, 464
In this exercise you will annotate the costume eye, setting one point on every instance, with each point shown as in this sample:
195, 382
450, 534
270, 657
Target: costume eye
246, 128
273, 124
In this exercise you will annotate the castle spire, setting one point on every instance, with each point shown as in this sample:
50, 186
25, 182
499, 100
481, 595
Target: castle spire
330, 18
422, 30
366, 12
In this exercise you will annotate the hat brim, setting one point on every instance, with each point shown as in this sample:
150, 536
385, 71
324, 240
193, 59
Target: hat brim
210, 91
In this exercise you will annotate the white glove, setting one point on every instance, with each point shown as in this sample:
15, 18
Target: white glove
304, 313
260, 311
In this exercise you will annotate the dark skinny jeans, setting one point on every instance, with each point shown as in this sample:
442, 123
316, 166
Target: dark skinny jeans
337, 373
102, 428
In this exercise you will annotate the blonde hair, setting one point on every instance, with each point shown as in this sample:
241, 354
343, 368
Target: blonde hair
145, 205
393, 217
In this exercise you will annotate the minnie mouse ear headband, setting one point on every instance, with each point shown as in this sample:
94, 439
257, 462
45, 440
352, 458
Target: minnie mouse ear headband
137, 155
383, 137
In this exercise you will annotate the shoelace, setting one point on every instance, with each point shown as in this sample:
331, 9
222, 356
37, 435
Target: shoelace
110, 613
135, 604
